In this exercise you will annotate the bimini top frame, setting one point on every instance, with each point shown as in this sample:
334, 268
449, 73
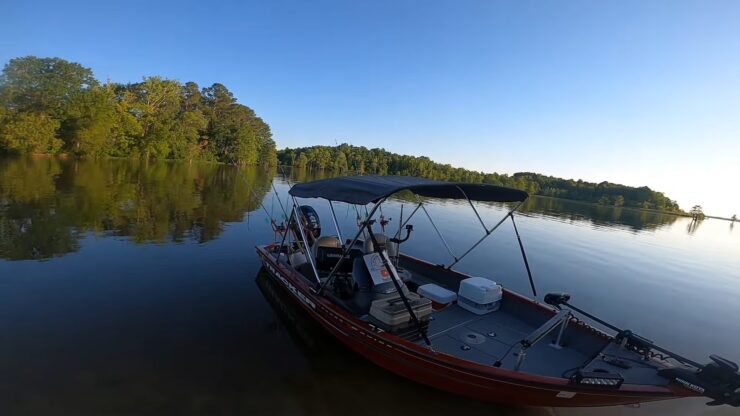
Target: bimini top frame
362, 190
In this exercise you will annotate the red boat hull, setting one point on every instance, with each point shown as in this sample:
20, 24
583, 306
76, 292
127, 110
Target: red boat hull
446, 372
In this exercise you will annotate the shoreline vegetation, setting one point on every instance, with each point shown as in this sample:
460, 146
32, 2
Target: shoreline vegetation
52, 106
347, 158
55, 107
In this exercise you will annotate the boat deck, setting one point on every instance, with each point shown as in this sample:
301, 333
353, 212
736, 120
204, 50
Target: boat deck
486, 339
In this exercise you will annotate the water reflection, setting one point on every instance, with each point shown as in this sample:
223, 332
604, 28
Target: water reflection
598, 215
693, 226
48, 204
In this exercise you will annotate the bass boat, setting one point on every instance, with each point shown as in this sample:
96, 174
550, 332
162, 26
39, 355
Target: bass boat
465, 334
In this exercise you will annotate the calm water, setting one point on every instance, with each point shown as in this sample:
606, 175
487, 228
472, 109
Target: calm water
133, 288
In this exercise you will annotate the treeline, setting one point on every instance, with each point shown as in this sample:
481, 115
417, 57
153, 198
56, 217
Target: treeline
346, 158
49, 105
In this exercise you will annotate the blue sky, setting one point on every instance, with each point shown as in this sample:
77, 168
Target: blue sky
635, 92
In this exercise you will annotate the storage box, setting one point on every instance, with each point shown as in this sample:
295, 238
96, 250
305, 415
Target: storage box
439, 295
391, 315
479, 295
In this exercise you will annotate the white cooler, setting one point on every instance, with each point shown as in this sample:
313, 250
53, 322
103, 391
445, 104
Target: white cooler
479, 295
439, 295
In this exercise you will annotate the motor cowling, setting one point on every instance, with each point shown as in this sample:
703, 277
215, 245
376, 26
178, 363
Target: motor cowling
718, 380
311, 222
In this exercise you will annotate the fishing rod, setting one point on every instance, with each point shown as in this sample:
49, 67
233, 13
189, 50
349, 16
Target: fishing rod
273, 223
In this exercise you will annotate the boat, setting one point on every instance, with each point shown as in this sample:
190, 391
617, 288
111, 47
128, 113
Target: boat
459, 333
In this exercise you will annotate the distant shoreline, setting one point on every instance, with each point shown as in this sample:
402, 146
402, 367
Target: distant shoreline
677, 214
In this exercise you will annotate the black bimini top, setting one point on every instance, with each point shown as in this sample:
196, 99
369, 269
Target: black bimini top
362, 190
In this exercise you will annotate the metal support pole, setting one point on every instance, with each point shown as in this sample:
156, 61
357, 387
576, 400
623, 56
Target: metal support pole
489, 232
336, 224
520, 358
474, 210
398, 234
449, 250
306, 251
524, 256
559, 342
395, 279
285, 235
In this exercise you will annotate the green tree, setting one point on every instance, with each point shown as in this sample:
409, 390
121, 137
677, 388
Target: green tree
92, 118
189, 127
301, 161
30, 133
618, 201
340, 163
697, 212
42, 84
156, 104
192, 99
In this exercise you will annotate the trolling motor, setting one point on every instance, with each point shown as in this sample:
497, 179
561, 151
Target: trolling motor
718, 380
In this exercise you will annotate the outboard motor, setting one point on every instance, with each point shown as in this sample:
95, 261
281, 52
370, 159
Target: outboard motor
718, 380
311, 223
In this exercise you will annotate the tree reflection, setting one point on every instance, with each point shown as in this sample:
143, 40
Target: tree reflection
693, 226
48, 204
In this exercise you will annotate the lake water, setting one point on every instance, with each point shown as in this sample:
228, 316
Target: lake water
132, 288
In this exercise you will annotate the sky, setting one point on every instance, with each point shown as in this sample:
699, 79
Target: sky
633, 92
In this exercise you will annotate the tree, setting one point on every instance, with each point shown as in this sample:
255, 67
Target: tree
42, 84
92, 118
192, 99
156, 103
218, 99
340, 163
30, 133
188, 129
618, 201
697, 212
301, 161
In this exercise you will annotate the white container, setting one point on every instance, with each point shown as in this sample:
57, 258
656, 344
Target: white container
437, 293
479, 295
